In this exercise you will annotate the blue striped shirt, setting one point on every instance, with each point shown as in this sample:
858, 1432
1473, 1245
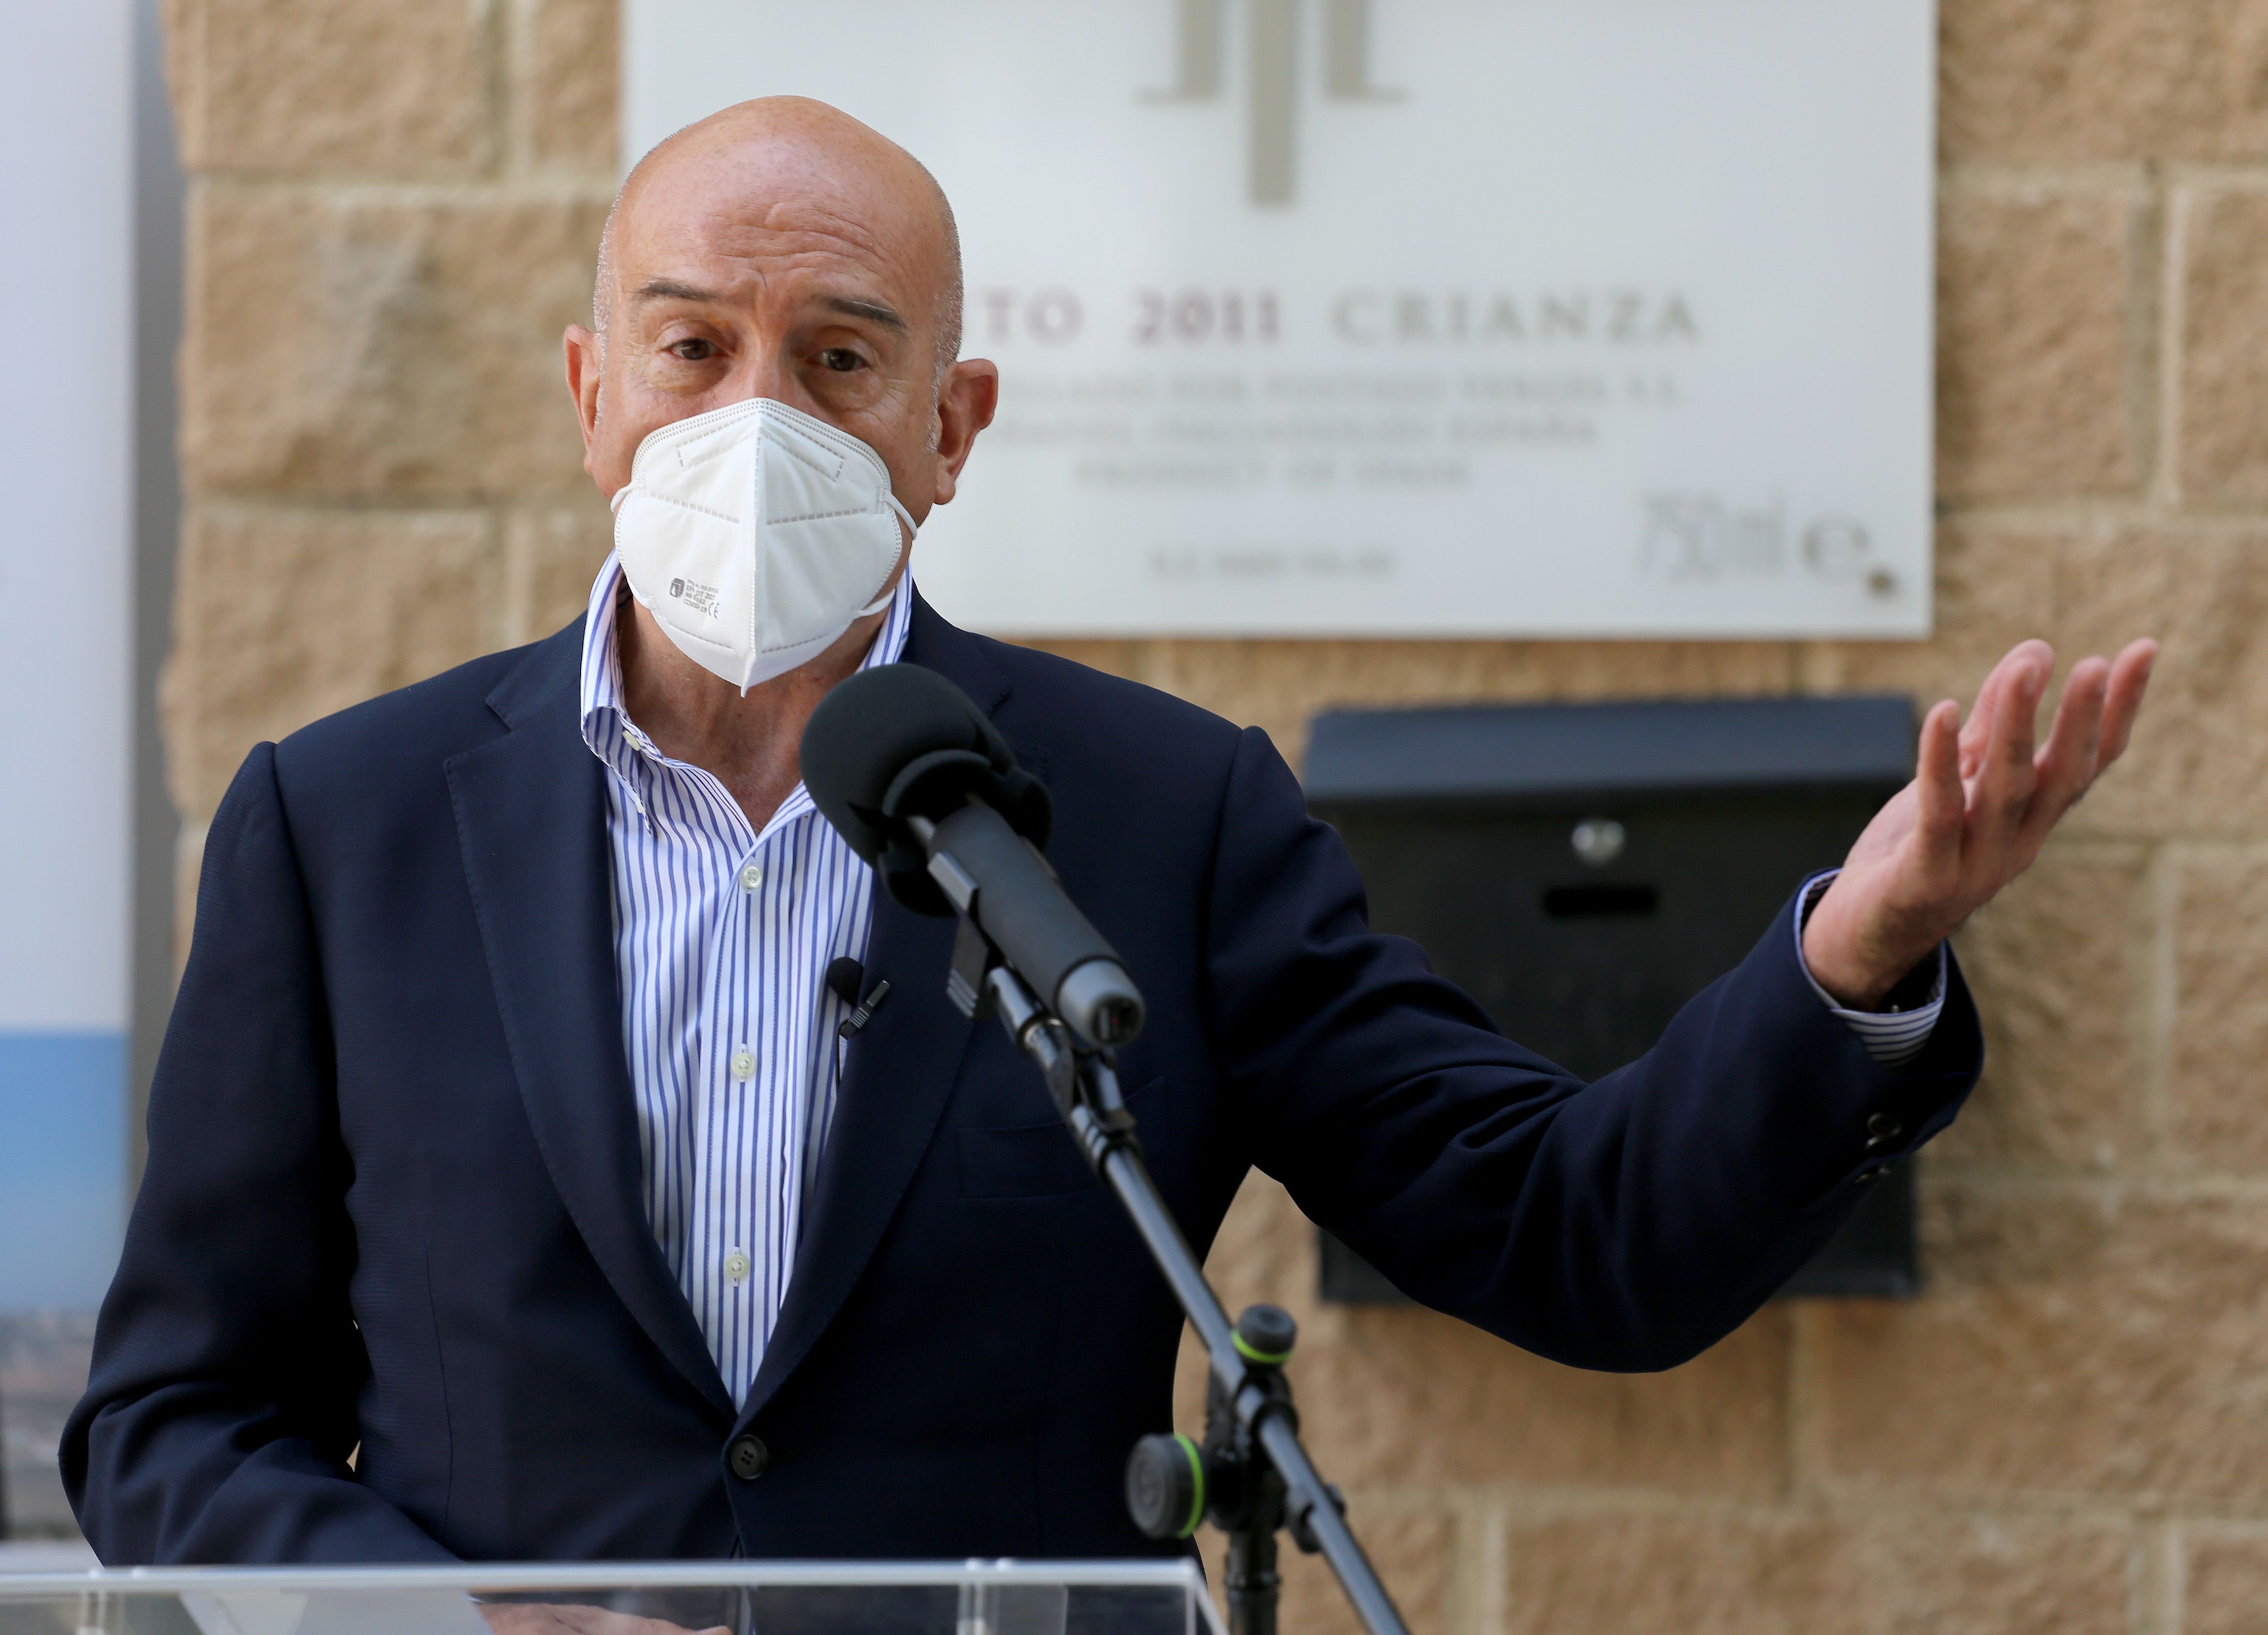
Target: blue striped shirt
722, 940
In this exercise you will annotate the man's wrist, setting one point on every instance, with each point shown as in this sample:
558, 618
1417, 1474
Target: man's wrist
1917, 987
1899, 1031
1856, 976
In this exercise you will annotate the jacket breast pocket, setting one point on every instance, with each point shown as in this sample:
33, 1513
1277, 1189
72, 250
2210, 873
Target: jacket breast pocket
1031, 1160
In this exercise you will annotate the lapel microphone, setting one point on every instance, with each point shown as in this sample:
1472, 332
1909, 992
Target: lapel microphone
844, 977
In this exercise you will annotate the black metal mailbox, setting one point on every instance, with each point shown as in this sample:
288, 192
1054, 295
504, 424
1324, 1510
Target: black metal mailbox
1583, 870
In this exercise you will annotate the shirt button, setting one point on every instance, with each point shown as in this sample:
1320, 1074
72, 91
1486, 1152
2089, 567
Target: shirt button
744, 1063
748, 1457
752, 875
736, 1266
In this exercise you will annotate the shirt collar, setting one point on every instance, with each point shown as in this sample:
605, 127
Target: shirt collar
607, 728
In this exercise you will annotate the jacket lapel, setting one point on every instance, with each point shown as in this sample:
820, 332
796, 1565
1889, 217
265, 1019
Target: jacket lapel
897, 1081
532, 823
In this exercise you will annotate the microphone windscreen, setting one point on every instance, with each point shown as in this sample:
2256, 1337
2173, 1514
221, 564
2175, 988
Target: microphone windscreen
898, 741
871, 728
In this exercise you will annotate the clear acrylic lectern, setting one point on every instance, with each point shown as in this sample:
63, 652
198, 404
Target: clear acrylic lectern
740, 1597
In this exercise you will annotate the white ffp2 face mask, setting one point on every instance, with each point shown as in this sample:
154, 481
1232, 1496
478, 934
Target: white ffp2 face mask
756, 535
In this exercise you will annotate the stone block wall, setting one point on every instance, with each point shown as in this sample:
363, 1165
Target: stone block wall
393, 211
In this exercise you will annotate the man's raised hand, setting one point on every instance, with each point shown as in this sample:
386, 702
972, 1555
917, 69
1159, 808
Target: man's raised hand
1981, 805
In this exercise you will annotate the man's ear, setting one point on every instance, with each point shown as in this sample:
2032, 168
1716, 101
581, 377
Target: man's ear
582, 348
965, 404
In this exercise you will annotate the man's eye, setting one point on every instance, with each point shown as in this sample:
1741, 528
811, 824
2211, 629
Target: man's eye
693, 351
841, 360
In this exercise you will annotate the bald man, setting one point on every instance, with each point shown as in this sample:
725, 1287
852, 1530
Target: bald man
514, 1194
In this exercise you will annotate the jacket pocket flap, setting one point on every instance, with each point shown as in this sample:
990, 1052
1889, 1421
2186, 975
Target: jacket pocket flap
1029, 1160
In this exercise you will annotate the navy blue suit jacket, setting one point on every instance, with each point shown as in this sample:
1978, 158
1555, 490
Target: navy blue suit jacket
393, 1197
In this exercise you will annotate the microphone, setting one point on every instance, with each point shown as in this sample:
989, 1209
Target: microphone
912, 774
844, 977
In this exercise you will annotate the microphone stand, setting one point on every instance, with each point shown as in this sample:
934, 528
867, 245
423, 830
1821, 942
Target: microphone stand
1252, 1477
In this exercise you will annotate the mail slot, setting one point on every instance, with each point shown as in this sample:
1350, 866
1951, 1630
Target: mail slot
1584, 870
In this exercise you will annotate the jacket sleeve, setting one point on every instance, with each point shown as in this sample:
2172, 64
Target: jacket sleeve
219, 1418
1627, 1224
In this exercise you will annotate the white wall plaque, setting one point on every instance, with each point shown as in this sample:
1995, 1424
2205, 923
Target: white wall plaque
1488, 317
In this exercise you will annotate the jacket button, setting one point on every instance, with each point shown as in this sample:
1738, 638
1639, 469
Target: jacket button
748, 1457
1881, 1130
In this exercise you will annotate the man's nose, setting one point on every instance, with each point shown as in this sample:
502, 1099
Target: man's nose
763, 372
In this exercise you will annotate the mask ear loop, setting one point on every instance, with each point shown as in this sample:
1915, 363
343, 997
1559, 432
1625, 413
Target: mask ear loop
913, 532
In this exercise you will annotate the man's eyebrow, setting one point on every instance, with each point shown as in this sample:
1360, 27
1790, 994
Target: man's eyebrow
669, 288
873, 310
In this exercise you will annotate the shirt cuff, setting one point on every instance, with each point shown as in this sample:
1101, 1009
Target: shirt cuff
1892, 1036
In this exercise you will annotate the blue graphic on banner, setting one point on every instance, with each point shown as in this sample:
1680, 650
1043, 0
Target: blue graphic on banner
63, 1166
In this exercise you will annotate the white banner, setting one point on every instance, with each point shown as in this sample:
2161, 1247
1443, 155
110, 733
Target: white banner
1481, 317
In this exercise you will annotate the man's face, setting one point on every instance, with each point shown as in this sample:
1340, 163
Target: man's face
787, 267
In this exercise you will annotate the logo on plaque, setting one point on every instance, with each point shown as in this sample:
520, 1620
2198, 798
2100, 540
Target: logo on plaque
1271, 76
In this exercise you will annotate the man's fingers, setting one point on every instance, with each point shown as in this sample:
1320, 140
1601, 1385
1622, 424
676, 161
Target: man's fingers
2070, 754
1936, 781
2130, 678
1978, 731
2006, 779
2066, 765
2034, 655
631, 1623
575, 1619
